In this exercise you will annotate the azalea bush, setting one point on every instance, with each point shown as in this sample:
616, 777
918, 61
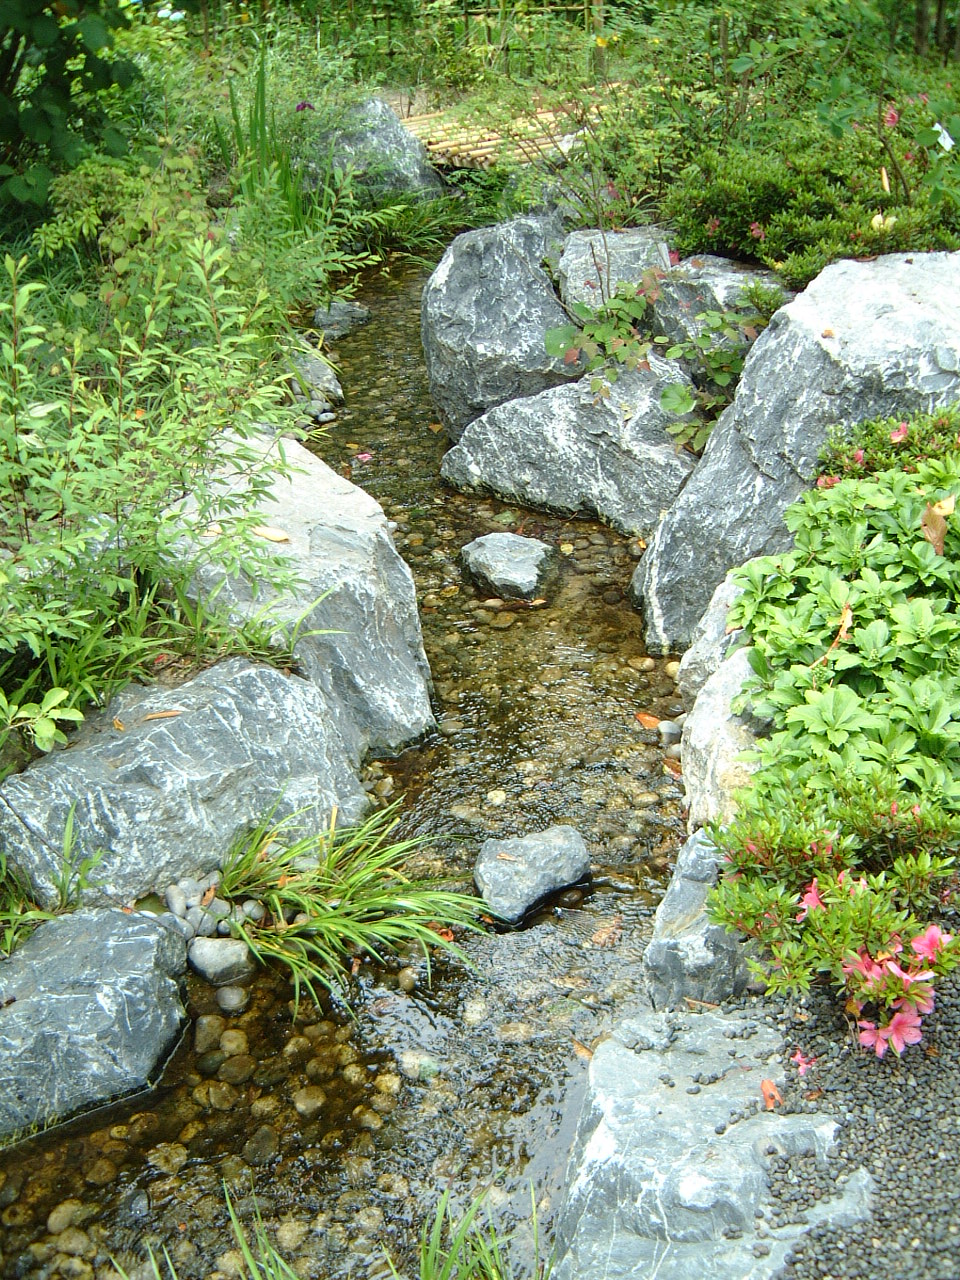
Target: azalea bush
843, 843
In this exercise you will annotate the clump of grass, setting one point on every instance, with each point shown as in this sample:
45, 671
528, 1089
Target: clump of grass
336, 894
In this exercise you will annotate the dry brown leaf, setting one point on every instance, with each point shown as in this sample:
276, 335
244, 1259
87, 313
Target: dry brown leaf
934, 527
507, 857
771, 1094
435, 427
609, 934
647, 719
118, 724
271, 534
580, 1049
162, 715
846, 617
672, 767
828, 333
208, 896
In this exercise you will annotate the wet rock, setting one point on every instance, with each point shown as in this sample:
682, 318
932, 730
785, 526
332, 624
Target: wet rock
709, 643
354, 604
340, 317
221, 960
168, 1157
714, 739
233, 999
207, 1031
95, 1010
485, 313
172, 793
705, 283
568, 449
66, 1214
262, 1146
515, 874
316, 375
689, 956
830, 356
593, 263
310, 1101
509, 565
660, 1182
384, 157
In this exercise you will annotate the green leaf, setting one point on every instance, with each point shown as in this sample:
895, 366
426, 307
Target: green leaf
677, 399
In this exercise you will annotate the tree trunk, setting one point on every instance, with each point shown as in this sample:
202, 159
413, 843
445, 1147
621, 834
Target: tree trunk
921, 31
940, 27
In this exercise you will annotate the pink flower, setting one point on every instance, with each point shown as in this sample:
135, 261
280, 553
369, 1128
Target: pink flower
304, 106
674, 258
929, 943
924, 98
899, 434
865, 965
923, 999
827, 482
873, 1037
894, 807
908, 155
908, 977
712, 226
811, 900
903, 1029
363, 457
757, 231
891, 116
803, 1064
858, 457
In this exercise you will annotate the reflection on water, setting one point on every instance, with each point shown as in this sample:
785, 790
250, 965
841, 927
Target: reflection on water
347, 1128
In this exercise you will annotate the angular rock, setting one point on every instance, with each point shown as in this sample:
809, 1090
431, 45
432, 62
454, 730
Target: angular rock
659, 1182
317, 376
383, 156
689, 956
704, 283
506, 564
340, 317
593, 263
865, 339
94, 1011
484, 317
221, 961
513, 875
355, 605
162, 797
568, 449
709, 643
714, 738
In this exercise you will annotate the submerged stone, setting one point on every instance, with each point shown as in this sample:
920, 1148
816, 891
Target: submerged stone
513, 875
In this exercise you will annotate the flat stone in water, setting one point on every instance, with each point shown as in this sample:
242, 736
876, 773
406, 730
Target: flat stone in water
262, 1147
513, 875
508, 565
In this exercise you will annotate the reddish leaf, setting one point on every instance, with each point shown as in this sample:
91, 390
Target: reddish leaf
647, 719
771, 1094
571, 355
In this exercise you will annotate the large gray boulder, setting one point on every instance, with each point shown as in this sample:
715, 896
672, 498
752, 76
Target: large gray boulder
571, 450
704, 283
594, 263
91, 1011
865, 339
163, 781
485, 314
354, 604
688, 956
714, 740
515, 874
662, 1180
709, 644
384, 157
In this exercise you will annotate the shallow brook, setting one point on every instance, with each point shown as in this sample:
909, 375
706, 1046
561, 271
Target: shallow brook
346, 1129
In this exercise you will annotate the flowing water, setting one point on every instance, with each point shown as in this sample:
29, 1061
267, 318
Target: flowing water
345, 1129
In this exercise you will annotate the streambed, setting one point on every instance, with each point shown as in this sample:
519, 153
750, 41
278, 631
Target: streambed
346, 1128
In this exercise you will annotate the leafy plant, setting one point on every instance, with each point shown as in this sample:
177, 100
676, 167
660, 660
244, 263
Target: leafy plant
337, 894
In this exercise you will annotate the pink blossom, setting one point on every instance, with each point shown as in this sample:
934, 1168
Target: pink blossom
899, 434
712, 226
674, 258
909, 976
908, 155
903, 1029
922, 998
894, 807
864, 964
304, 106
891, 116
757, 231
924, 98
811, 900
858, 457
827, 482
803, 1064
929, 943
363, 457
873, 1037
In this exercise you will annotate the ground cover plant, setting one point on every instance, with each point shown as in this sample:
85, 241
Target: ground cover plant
842, 848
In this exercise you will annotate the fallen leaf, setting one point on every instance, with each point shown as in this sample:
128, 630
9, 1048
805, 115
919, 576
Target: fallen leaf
934, 527
212, 531
672, 767
846, 617
431, 426
647, 719
571, 355
828, 333
162, 715
118, 724
932, 1051
442, 932
699, 1004
507, 857
608, 935
771, 1094
566, 548
580, 1049
208, 896
570, 982
270, 533
351, 444
355, 965
750, 332
813, 1094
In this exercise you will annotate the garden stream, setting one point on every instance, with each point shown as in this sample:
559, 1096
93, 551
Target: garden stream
471, 1080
